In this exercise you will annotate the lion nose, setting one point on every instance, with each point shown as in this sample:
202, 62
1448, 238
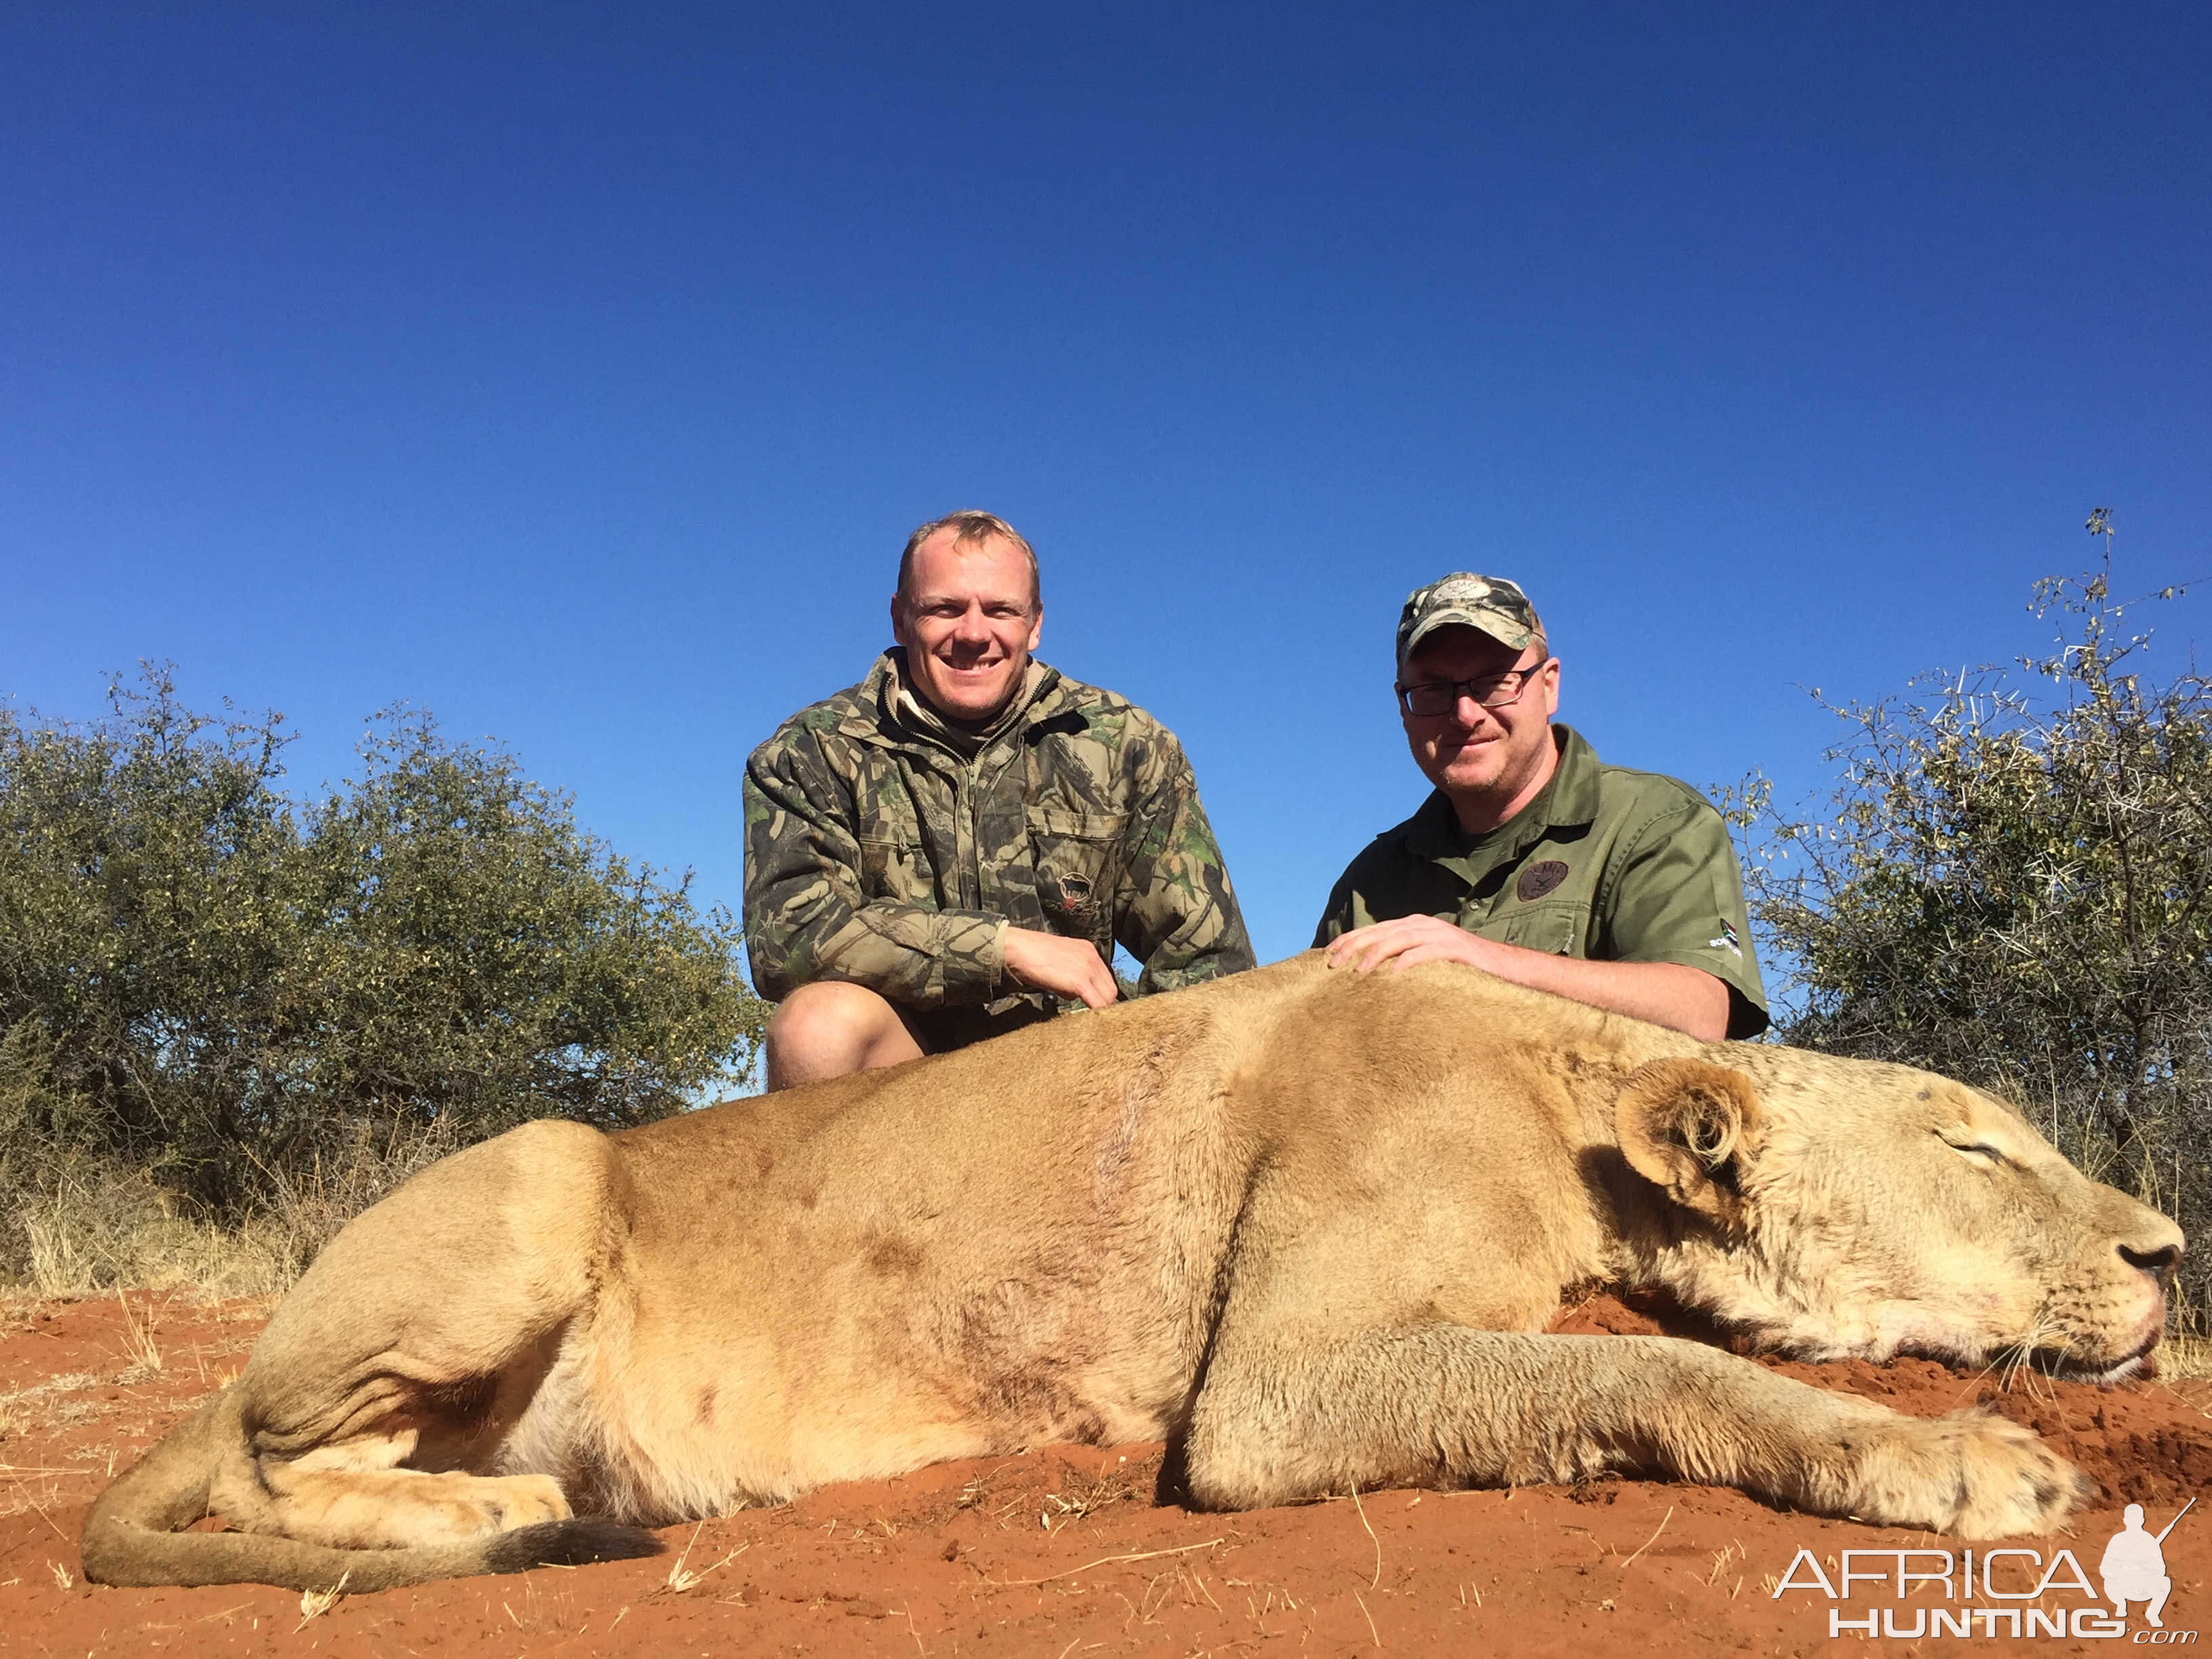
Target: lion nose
2159, 1261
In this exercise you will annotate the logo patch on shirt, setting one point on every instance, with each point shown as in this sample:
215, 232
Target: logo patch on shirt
1727, 941
1539, 880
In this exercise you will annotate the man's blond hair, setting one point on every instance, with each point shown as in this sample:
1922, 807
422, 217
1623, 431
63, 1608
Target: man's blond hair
971, 528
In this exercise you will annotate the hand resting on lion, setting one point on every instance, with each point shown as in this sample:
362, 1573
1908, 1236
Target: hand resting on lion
1308, 1227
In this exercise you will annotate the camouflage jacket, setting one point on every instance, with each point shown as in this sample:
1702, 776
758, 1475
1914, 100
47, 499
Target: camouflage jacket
887, 848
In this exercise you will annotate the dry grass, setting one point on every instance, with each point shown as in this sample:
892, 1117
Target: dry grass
80, 1230
313, 1604
682, 1578
88, 1234
2184, 1355
139, 1347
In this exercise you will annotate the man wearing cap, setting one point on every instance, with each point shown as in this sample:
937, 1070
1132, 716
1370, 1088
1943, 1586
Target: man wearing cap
952, 848
1533, 860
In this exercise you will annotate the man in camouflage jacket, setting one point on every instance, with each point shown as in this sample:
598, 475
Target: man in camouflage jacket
952, 848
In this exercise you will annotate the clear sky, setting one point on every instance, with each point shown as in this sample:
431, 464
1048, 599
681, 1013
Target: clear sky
576, 372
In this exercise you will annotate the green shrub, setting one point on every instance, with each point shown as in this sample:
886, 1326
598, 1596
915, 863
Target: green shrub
2013, 885
209, 982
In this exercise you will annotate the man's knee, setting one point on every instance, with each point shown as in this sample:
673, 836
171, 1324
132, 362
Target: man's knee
826, 1016
828, 1027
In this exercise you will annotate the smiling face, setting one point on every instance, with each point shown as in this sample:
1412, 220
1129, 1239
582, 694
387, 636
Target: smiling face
1491, 762
969, 618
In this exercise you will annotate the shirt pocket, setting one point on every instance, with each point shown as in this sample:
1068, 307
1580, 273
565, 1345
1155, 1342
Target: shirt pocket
1075, 855
1554, 929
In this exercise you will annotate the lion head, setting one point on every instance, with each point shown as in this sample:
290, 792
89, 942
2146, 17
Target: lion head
1832, 1208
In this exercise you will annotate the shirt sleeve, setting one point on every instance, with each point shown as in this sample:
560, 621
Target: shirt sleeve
1675, 894
1339, 916
1176, 912
807, 917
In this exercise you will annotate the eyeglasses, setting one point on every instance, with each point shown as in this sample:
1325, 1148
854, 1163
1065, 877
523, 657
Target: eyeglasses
1430, 698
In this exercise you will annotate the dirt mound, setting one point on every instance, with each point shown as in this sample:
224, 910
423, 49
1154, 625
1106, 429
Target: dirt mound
1065, 1551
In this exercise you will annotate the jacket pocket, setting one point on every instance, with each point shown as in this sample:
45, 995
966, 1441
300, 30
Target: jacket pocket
1075, 854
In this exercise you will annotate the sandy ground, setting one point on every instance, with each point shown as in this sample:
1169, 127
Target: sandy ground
1062, 1551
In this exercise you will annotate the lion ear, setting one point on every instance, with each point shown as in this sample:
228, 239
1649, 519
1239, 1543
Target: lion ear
1690, 1127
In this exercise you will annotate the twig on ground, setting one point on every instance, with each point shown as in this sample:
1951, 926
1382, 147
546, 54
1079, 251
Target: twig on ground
1361, 1509
41, 1508
1104, 1561
1650, 1541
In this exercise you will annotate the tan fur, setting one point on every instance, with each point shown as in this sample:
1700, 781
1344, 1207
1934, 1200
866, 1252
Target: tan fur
1307, 1226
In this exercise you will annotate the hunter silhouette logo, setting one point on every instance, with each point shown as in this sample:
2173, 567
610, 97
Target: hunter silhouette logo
2134, 1565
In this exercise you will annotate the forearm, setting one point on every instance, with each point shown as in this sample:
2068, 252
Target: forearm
1682, 999
809, 912
916, 957
1177, 913
1221, 948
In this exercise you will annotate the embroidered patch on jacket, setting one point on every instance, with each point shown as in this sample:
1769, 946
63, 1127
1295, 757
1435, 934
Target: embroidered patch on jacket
1727, 941
1539, 880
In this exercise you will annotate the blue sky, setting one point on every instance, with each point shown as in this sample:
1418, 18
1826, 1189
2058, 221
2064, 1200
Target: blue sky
576, 372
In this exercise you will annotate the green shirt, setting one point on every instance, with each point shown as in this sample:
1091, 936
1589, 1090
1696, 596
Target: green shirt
1606, 865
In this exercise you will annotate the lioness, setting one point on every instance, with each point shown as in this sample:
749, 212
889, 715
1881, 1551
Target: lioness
1307, 1226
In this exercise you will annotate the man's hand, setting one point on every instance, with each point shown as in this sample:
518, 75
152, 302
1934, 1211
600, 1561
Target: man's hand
1669, 993
1065, 967
1409, 940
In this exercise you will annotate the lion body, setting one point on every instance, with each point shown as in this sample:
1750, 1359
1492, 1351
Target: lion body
1307, 1226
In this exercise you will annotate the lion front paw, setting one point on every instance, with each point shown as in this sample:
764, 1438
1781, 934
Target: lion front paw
1971, 1474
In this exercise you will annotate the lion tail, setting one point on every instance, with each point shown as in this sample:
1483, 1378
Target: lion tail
134, 1536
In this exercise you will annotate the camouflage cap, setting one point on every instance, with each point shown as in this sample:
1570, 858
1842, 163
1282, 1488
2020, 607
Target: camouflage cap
1490, 603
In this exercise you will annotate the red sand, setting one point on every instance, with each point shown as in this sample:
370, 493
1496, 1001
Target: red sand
1062, 1552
